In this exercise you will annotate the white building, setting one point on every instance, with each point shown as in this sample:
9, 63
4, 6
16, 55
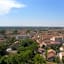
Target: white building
22, 36
61, 54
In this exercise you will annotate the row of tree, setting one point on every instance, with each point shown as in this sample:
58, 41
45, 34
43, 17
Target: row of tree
26, 53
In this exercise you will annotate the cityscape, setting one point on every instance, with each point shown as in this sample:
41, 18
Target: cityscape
32, 44
31, 31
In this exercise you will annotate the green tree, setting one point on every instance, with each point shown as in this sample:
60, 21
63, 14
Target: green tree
63, 60
9, 41
39, 59
27, 44
15, 31
57, 60
55, 47
3, 47
27, 49
2, 32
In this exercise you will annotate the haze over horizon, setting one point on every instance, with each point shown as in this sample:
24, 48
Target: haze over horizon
32, 13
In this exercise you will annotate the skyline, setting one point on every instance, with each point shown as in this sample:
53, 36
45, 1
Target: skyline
32, 13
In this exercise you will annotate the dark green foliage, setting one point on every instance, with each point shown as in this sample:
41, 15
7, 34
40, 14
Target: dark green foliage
57, 60
39, 59
3, 47
27, 44
10, 41
27, 54
55, 47
2, 32
63, 59
15, 31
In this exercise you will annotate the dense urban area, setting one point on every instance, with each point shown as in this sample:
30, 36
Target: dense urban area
32, 46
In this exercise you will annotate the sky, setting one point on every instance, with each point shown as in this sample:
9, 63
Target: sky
32, 13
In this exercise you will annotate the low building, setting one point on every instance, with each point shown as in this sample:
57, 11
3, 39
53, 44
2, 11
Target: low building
41, 50
13, 48
10, 51
61, 53
57, 38
22, 36
55, 42
51, 54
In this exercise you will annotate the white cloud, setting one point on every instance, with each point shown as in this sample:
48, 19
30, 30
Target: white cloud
7, 5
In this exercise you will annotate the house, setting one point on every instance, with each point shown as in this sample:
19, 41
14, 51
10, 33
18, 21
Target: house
42, 44
13, 48
51, 54
57, 38
61, 53
41, 50
22, 36
10, 51
55, 42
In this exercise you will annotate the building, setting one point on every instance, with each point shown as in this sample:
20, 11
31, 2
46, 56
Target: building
51, 54
61, 53
22, 36
57, 38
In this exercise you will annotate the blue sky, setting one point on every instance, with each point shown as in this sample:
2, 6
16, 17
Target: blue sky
33, 13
